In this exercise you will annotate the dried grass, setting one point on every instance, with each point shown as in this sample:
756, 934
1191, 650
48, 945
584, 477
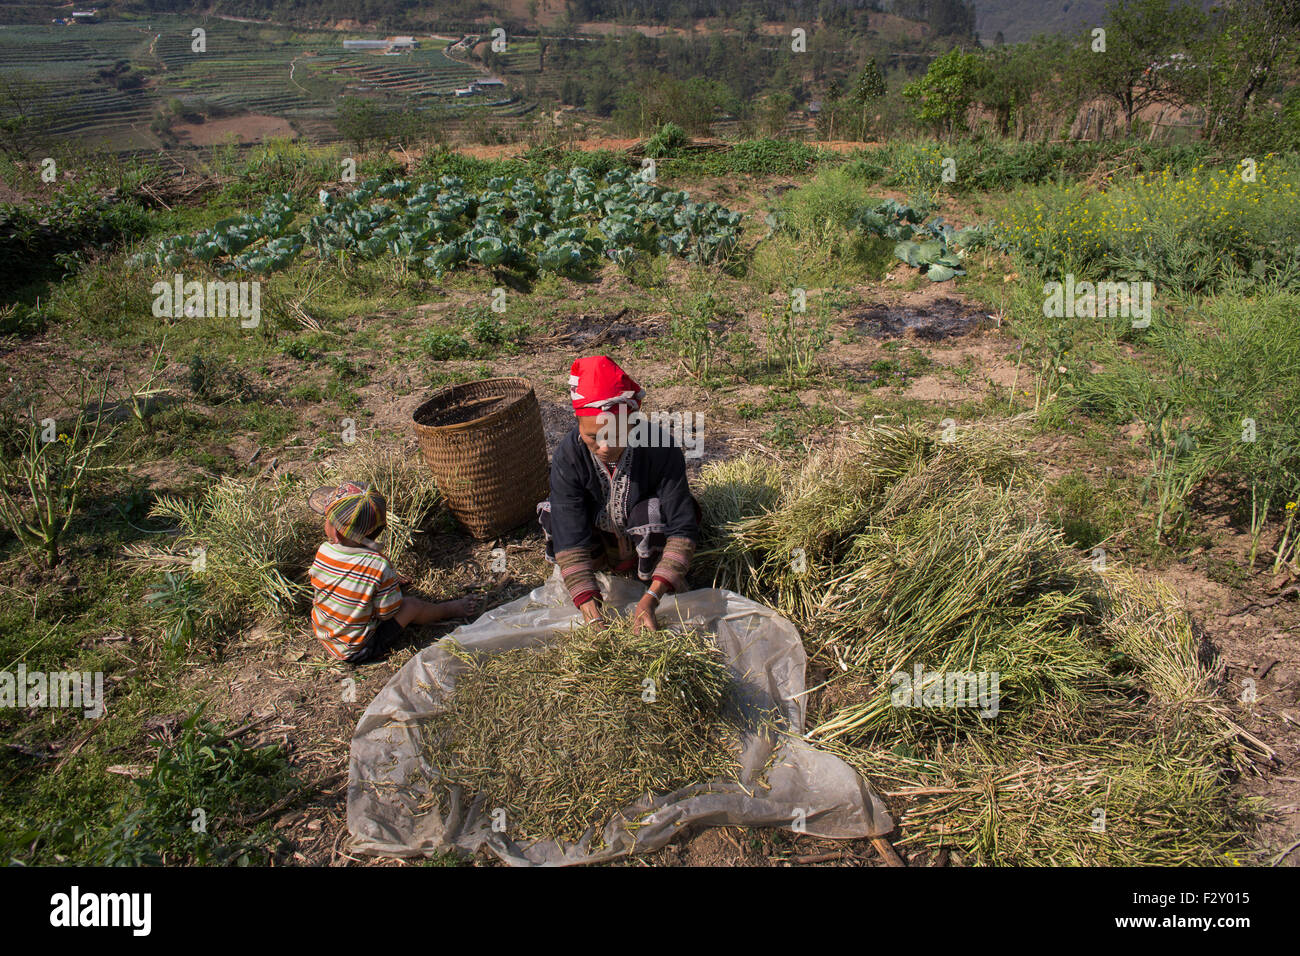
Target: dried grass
248, 542
562, 736
899, 549
402, 477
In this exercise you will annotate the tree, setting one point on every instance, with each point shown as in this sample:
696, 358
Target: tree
871, 83
869, 88
942, 97
367, 123
1140, 63
28, 116
1010, 78
1238, 60
776, 107
602, 94
570, 92
360, 121
951, 17
645, 105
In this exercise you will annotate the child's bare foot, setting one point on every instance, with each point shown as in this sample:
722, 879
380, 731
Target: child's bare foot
461, 607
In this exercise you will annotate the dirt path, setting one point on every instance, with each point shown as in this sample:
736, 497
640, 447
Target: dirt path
292, 65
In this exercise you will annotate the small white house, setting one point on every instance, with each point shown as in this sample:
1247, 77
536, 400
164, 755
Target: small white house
365, 44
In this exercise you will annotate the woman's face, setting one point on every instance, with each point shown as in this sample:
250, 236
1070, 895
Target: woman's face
589, 427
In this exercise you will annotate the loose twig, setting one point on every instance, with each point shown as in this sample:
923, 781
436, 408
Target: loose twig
887, 851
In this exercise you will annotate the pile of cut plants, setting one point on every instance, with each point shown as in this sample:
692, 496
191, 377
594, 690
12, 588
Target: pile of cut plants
916, 562
563, 736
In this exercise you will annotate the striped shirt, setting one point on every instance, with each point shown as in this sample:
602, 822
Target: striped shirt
355, 590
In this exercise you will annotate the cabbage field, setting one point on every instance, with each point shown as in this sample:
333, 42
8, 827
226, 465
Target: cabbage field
566, 223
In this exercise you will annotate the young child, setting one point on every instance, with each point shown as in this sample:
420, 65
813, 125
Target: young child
359, 610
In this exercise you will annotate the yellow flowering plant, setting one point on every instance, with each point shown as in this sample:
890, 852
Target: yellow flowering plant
1195, 231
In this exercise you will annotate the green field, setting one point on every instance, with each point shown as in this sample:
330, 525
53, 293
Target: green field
245, 69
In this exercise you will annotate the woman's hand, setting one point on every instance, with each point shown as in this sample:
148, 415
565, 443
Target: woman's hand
591, 612
644, 618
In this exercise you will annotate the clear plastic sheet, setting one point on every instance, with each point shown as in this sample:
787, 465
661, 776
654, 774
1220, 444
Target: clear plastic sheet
804, 789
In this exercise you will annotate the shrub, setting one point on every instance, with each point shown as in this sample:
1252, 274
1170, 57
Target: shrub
214, 380
402, 477
1217, 395
251, 545
666, 141
444, 344
761, 157
36, 240
206, 777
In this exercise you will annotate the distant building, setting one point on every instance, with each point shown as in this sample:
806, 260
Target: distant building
814, 106
85, 15
466, 91
390, 45
491, 83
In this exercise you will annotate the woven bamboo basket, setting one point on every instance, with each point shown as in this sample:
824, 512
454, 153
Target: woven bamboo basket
484, 442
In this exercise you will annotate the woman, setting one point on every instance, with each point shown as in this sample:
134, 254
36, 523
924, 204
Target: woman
615, 507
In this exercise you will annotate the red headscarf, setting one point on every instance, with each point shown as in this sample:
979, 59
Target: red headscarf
597, 384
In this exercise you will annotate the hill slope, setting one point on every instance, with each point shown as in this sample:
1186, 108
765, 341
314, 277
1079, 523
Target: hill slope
1022, 19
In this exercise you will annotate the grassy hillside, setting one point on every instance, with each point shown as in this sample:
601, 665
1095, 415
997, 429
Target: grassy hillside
968, 479
128, 85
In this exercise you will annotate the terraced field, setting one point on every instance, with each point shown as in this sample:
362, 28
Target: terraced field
65, 62
426, 72
246, 68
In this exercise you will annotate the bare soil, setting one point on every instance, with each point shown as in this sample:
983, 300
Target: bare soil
250, 128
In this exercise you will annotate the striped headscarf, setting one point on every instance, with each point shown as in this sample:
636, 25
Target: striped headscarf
354, 508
